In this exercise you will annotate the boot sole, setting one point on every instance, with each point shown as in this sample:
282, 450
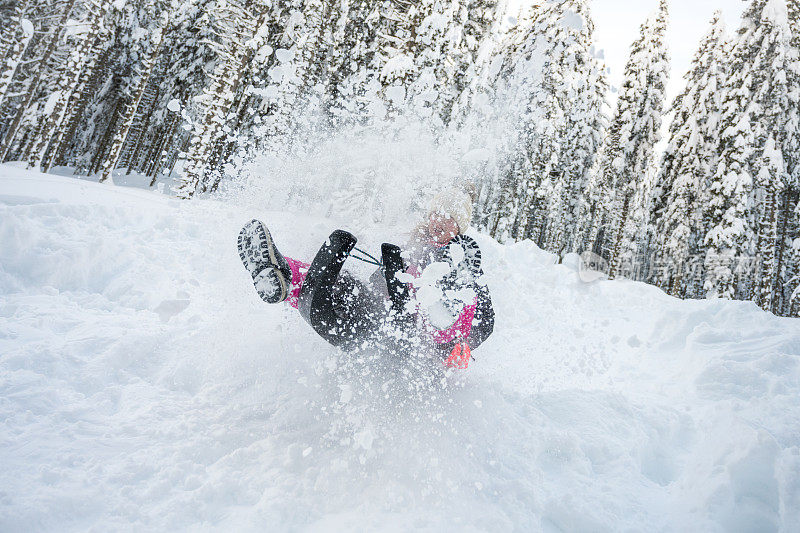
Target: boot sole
257, 252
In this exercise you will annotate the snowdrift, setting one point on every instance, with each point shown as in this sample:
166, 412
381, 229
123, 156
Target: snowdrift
144, 386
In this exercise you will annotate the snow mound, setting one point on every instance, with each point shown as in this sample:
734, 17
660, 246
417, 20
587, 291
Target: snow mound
145, 386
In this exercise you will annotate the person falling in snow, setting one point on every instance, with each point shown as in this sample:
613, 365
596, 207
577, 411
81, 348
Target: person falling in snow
435, 302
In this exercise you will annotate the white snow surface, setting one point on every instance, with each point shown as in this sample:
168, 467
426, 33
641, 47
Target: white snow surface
174, 105
145, 386
27, 27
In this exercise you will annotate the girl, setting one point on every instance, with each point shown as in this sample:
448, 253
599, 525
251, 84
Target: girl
435, 302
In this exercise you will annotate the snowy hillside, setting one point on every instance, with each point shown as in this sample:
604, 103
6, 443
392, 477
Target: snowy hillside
144, 386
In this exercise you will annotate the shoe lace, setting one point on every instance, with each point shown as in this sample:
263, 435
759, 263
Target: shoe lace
369, 259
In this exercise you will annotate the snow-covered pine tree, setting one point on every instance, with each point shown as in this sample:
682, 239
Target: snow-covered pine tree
138, 88
352, 87
687, 166
89, 80
779, 140
525, 104
57, 14
287, 78
21, 33
81, 57
580, 86
548, 63
473, 22
479, 106
444, 39
787, 294
9, 29
155, 138
634, 131
7, 13
729, 232
241, 26
187, 61
770, 181
474, 103
759, 134
403, 35
141, 69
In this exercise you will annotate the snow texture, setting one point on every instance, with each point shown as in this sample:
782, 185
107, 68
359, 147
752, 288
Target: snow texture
145, 386
27, 27
573, 20
776, 12
174, 105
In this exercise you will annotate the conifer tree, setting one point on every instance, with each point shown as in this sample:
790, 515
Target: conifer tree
634, 131
524, 100
79, 57
60, 14
758, 136
446, 35
185, 70
146, 69
688, 163
550, 66
353, 86
20, 34
580, 85
287, 78
241, 27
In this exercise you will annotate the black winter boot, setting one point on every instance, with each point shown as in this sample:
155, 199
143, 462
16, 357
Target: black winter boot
271, 273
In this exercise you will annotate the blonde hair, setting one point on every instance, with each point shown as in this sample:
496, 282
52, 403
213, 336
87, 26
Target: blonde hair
455, 202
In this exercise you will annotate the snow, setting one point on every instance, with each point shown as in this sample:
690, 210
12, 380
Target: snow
396, 93
284, 55
27, 28
776, 12
573, 20
397, 67
75, 28
174, 105
145, 386
52, 100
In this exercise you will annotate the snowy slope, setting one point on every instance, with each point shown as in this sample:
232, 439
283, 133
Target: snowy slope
144, 386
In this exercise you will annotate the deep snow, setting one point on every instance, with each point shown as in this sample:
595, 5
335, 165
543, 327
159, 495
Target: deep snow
144, 386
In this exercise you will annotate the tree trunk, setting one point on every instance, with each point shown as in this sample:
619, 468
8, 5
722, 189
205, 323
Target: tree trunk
81, 58
615, 255
155, 154
112, 159
99, 157
33, 87
12, 60
77, 109
72, 114
142, 134
206, 136
766, 252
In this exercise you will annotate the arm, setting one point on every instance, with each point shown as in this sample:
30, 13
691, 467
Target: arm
475, 323
483, 322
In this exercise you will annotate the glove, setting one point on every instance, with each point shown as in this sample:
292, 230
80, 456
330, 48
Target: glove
459, 357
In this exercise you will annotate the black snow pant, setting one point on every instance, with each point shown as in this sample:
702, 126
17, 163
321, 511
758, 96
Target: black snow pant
346, 312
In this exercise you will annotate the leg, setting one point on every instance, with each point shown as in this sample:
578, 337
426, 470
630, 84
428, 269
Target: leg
337, 308
393, 265
399, 323
299, 272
